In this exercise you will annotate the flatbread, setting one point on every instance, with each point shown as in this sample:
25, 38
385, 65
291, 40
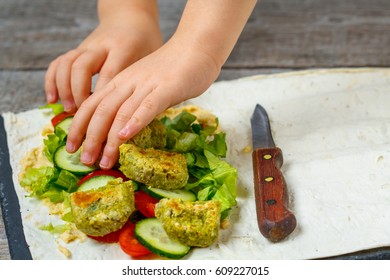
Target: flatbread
334, 129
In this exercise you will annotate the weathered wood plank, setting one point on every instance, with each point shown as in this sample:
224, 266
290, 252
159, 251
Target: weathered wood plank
21, 90
32, 33
4, 252
315, 33
279, 34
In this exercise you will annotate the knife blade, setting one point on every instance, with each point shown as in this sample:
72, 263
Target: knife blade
275, 220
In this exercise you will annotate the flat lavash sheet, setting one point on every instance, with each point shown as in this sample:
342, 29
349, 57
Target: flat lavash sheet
333, 127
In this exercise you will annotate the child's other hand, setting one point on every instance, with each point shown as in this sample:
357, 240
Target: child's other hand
121, 39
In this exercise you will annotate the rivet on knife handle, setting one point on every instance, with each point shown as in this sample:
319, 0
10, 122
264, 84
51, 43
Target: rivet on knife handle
275, 221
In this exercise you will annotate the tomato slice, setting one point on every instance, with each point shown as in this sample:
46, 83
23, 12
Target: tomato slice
112, 237
130, 244
145, 203
60, 117
101, 172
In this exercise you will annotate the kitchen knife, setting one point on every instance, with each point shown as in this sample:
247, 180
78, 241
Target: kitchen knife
275, 221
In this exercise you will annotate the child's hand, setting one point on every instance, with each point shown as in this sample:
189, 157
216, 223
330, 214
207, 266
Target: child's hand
123, 37
133, 98
181, 69
122, 105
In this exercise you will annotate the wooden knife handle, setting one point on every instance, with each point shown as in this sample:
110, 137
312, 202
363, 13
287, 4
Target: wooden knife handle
274, 219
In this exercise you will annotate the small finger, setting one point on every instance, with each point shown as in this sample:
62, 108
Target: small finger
84, 67
149, 107
63, 79
116, 62
82, 118
50, 82
100, 126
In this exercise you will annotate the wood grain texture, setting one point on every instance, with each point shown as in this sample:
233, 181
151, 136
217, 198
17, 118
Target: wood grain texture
4, 253
34, 32
315, 33
279, 34
21, 90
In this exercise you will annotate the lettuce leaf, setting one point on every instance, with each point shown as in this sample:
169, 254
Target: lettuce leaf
57, 108
219, 184
186, 142
53, 142
67, 181
49, 182
56, 229
223, 172
217, 145
183, 136
211, 178
180, 123
39, 180
54, 195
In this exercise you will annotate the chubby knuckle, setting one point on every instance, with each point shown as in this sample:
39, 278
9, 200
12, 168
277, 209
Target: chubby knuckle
86, 105
118, 81
78, 66
108, 73
137, 120
122, 116
102, 109
65, 59
111, 146
149, 104
70, 56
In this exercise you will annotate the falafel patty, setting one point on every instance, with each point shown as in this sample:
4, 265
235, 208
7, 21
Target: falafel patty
152, 167
98, 212
191, 223
154, 135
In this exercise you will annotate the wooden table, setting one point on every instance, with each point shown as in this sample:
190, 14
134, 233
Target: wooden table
281, 35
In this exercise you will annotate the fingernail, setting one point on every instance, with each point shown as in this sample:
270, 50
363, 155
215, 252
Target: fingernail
86, 158
104, 162
68, 105
70, 147
124, 132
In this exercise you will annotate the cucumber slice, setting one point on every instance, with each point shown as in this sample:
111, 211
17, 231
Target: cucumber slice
65, 124
71, 162
95, 183
151, 234
180, 193
99, 181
